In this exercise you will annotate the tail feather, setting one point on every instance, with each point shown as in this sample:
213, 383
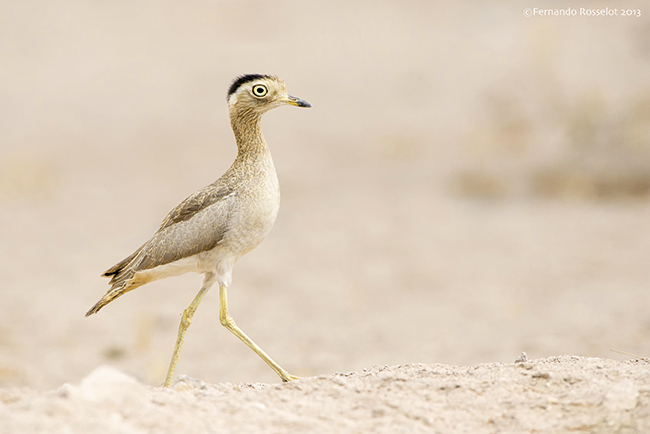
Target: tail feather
107, 298
120, 287
121, 266
121, 275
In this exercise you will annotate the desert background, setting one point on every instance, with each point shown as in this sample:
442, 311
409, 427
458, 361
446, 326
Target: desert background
470, 183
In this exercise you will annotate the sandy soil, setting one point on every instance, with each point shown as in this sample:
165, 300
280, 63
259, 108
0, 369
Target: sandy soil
555, 395
470, 183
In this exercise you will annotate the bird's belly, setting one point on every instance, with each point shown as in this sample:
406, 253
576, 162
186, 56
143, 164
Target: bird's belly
245, 232
250, 227
176, 268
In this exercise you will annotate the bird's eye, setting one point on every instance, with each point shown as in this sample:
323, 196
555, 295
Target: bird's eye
259, 90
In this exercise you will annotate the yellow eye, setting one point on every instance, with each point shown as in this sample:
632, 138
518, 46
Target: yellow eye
259, 90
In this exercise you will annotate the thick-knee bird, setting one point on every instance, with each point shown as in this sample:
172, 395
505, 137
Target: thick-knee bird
210, 230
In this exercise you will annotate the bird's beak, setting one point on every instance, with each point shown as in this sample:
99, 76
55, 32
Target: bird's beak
292, 100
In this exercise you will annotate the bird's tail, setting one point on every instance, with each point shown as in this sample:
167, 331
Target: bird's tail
122, 281
111, 295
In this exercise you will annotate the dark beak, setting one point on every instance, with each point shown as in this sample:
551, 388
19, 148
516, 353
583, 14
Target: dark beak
297, 102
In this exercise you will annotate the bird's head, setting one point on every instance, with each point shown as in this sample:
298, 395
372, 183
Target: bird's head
260, 93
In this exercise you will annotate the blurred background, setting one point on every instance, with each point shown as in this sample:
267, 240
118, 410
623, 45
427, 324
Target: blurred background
470, 183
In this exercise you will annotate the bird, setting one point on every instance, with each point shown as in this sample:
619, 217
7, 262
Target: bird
212, 228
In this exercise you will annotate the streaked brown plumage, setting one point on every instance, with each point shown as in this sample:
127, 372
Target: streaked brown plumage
211, 229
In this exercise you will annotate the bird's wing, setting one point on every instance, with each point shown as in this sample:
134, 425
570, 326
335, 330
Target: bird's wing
189, 229
196, 225
196, 203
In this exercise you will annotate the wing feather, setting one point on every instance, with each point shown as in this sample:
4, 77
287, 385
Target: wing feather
196, 225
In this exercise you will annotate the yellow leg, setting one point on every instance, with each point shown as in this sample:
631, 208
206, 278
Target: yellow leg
186, 320
229, 323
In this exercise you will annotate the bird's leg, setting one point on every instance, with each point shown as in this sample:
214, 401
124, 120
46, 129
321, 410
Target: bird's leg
229, 323
186, 320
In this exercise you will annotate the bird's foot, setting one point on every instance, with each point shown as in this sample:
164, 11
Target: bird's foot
288, 377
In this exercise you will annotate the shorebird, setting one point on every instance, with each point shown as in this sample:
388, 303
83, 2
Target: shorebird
211, 229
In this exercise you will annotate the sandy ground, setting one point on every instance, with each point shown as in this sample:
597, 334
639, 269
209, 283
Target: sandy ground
470, 183
555, 395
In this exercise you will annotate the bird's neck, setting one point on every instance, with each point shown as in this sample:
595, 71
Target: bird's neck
248, 135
